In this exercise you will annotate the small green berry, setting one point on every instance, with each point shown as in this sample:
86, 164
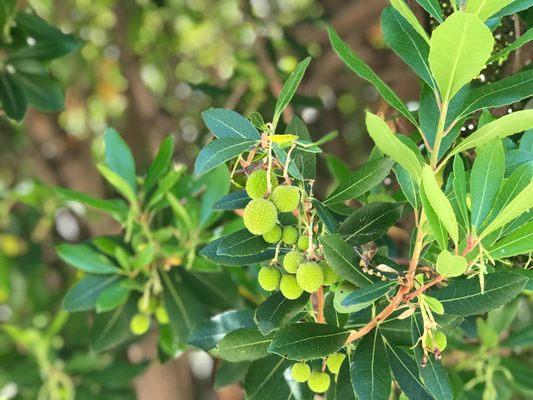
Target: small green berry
260, 216
161, 315
146, 305
330, 276
334, 362
291, 261
139, 324
273, 235
309, 276
256, 184
289, 287
286, 198
290, 235
269, 278
440, 340
303, 243
300, 372
319, 382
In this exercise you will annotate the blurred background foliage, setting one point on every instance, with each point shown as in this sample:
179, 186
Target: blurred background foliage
148, 68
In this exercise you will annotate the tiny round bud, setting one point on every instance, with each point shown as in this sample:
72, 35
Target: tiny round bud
309, 276
319, 382
146, 305
260, 216
286, 198
139, 324
290, 235
292, 260
256, 184
161, 315
269, 278
273, 235
289, 287
300, 372
330, 276
334, 362
303, 243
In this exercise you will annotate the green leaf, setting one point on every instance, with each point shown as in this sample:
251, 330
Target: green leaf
450, 265
246, 344
435, 305
459, 49
522, 338
219, 151
116, 207
12, 97
459, 188
464, 297
289, 89
241, 243
119, 158
440, 204
364, 71
343, 388
161, 164
207, 334
233, 201
368, 294
112, 297
85, 258
370, 371
229, 124
519, 42
485, 179
362, 180
210, 251
308, 341
484, 9
408, 186
403, 9
214, 185
514, 7
113, 328
84, 294
118, 182
277, 310
392, 146
432, 7
344, 260
328, 218
7, 10
42, 92
331, 316
436, 227
370, 222
520, 241
218, 290
304, 161
230, 373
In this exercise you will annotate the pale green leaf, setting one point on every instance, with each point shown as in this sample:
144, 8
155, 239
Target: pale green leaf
484, 9
450, 265
406, 13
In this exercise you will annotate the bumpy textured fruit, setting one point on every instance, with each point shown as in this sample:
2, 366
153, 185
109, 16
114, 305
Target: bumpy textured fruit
273, 235
260, 216
334, 362
290, 235
292, 260
256, 184
289, 287
300, 372
330, 276
319, 382
303, 243
139, 324
286, 198
309, 276
269, 278
161, 315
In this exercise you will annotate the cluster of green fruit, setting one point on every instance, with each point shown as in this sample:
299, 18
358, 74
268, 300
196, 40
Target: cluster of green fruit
140, 322
318, 381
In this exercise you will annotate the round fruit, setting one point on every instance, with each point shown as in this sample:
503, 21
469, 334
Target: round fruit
256, 184
273, 235
269, 278
289, 287
161, 315
303, 243
290, 235
286, 198
300, 372
330, 276
440, 340
319, 382
260, 216
146, 307
139, 324
334, 362
309, 276
291, 261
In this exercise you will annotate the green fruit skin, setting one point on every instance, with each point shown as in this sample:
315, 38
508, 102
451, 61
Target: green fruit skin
286, 198
260, 216
319, 382
440, 340
139, 324
300, 372
161, 315
146, 307
273, 235
309, 276
303, 243
269, 278
256, 184
290, 235
334, 362
330, 276
292, 260
289, 287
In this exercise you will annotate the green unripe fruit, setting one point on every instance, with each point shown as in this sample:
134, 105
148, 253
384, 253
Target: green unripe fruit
290, 235
300, 372
292, 260
303, 243
334, 362
260, 216
256, 184
269, 278
309, 276
161, 315
289, 287
319, 382
286, 198
146, 305
139, 324
273, 235
330, 276
438, 342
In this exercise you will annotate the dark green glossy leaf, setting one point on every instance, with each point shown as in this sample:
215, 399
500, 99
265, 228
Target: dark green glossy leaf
230, 373
12, 97
42, 92
408, 186
219, 151
161, 164
331, 316
85, 258
432, 7
233, 201
368, 294
327, 216
246, 344
241, 243
277, 310
217, 289
210, 251
84, 294
343, 387
459, 188
229, 124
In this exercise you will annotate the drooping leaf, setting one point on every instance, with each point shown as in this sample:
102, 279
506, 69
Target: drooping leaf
219, 151
246, 344
119, 158
405, 11
277, 310
86, 258
241, 243
84, 294
161, 163
484, 9
229, 124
